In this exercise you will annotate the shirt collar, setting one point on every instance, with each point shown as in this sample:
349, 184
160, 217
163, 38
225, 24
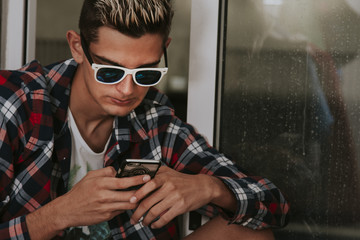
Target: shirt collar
59, 77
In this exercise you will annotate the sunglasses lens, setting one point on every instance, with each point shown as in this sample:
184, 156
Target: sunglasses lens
148, 77
109, 75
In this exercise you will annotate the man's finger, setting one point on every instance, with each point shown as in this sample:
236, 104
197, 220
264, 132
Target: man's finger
126, 182
103, 172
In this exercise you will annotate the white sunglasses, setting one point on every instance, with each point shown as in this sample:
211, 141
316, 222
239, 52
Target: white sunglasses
109, 74
145, 77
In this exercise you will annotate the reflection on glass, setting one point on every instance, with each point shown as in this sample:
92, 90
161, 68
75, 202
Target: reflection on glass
54, 19
291, 110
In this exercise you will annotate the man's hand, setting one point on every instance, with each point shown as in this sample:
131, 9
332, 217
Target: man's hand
172, 193
92, 200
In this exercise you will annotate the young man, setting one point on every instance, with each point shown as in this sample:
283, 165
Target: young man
66, 128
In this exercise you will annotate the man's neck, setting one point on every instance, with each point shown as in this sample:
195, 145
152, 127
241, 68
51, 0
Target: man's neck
94, 125
94, 131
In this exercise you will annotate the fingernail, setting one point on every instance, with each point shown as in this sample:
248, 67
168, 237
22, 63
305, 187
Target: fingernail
132, 222
133, 199
146, 178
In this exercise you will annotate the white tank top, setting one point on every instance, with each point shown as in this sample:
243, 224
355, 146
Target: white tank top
84, 159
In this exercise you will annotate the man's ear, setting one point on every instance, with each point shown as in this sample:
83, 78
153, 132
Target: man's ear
167, 43
74, 42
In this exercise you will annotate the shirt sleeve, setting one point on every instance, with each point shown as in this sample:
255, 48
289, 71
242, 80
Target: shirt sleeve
260, 204
15, 228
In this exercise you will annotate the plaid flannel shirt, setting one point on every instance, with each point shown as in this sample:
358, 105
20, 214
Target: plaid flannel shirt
35, 154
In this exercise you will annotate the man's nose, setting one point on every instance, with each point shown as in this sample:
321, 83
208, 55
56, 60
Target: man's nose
126, 86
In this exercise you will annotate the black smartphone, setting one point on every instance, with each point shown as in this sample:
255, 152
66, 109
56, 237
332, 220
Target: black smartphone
134, 167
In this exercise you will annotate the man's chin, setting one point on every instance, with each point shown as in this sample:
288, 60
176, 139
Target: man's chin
122, 113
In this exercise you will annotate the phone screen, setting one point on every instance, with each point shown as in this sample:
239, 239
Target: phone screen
134, 167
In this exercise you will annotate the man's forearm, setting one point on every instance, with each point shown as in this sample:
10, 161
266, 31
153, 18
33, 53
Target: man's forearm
44, 223
222, 196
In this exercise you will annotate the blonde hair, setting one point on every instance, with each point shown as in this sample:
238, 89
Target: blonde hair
131, 17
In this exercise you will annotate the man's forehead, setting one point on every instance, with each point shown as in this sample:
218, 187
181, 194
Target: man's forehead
115, 63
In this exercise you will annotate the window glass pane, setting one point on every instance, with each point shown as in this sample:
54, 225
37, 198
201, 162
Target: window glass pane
290, 107
55, 17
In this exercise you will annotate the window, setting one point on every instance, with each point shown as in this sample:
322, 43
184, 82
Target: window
290, 107
17, 29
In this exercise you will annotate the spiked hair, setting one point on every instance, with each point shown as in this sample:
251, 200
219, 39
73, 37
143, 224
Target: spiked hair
130, 17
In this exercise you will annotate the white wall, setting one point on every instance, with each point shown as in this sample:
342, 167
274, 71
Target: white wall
17, 32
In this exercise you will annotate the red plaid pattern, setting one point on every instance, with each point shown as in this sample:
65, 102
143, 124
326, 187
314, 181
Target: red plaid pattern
35, 154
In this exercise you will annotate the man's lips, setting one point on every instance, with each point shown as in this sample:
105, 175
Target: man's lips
124, 102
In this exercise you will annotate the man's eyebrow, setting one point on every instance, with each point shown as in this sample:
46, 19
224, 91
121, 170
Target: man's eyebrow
110, 62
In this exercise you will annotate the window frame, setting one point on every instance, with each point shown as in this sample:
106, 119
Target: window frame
18, 32
206, 45
204, 68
